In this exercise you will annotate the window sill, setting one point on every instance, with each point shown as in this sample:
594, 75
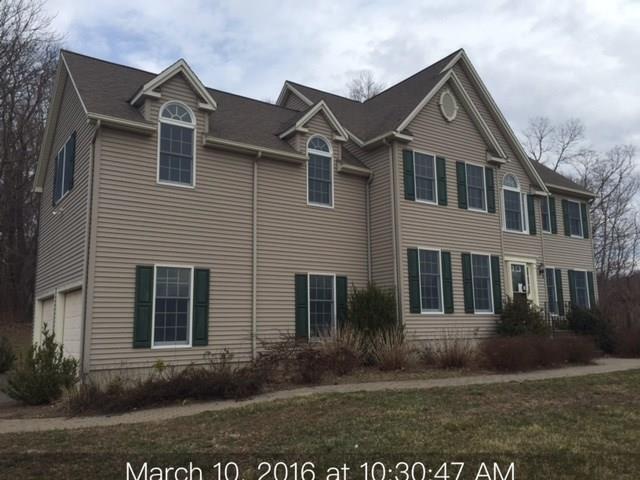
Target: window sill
476, 210
517, 232
61, 199
426, 202
577, 237
431, 312
175, 184
319, 205
172, 347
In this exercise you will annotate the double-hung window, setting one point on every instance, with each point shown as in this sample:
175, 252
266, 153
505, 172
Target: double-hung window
581, 289
515, 217
320, 172
482, 291
430, 281
476, 191
176, 155
575, 219
425, 177
322, 311
64, 167
173, 306
552, 290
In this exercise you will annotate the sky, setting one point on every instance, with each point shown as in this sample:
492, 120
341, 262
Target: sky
561, 59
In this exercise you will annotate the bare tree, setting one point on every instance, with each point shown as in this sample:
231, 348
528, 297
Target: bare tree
364, 86
554, 145
28, 52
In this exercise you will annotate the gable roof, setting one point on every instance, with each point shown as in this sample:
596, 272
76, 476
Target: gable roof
301, 120
556, 181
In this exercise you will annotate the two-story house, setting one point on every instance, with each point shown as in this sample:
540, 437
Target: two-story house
178, 219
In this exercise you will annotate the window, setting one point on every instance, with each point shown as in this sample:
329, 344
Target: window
425, 177
582, 289
552, 292
320, 172
575, 219
546, 216
64, 167
481, 275
514, 205
430, 281
476, 195
172, 317
176, 153
321, 304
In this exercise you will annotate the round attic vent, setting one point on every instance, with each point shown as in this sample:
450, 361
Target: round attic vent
448, 105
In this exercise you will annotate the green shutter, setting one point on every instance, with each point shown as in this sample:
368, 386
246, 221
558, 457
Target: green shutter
414, 280
552, 215
531, 211
302, 306
441, 173
447, 282
409, 184
55, 190
467, 283
461, 173
200, 335
341, 300
565, 217
572, 286
584, 210
491, 190
497, 284
143, 307
592, 293
70, 161
559, 292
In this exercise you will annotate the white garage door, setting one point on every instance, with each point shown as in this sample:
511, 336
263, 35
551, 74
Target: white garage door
72, 326
46, 317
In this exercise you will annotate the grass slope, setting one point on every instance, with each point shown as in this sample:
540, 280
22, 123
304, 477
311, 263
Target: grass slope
587, 427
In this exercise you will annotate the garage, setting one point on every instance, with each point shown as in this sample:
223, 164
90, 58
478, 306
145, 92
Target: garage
72, 323
46, 317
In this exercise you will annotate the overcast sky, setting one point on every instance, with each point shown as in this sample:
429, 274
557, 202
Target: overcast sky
557, 58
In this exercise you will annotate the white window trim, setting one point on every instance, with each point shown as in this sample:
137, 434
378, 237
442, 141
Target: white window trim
435, 178
546, 201
524, 209
586, 282
484, 186
153, 310
64, 170
422, 310
555, 288
329, 155
581, 236
334, 321
178, 123
491, 311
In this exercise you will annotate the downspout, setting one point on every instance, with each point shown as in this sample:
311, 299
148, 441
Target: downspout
367, 194
395, 214
254, 261
501, 223
85, 274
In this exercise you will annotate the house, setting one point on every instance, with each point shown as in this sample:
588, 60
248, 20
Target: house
178, 219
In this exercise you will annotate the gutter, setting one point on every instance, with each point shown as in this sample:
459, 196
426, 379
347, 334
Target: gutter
395, 214
242, 147
121, 124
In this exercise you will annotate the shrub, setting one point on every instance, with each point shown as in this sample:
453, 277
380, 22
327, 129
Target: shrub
344, 351
390, 349
528, 352
591, 322
220, 379
372, 309
7, 357
521, 317
43, 373
450, 352
627, 341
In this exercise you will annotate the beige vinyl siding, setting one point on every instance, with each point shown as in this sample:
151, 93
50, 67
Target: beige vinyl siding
141, 223
294, 237
293, 102
381, 230
61, 237
448, 228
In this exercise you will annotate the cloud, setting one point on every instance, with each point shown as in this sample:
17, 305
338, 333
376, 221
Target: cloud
559, 59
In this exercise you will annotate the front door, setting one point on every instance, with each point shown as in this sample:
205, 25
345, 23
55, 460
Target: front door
519, 285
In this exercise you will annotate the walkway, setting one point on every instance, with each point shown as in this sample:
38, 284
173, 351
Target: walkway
607, 365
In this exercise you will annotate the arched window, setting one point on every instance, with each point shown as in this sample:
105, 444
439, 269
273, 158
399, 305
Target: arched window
514, 205
176, 146
320, 172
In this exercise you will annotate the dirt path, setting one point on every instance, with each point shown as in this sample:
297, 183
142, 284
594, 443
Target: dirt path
607, 365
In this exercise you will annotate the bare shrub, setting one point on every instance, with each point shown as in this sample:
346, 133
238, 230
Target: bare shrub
452, 351
627, 341
390, 349
344, 351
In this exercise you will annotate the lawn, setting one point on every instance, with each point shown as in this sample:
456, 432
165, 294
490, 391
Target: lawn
584, 427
